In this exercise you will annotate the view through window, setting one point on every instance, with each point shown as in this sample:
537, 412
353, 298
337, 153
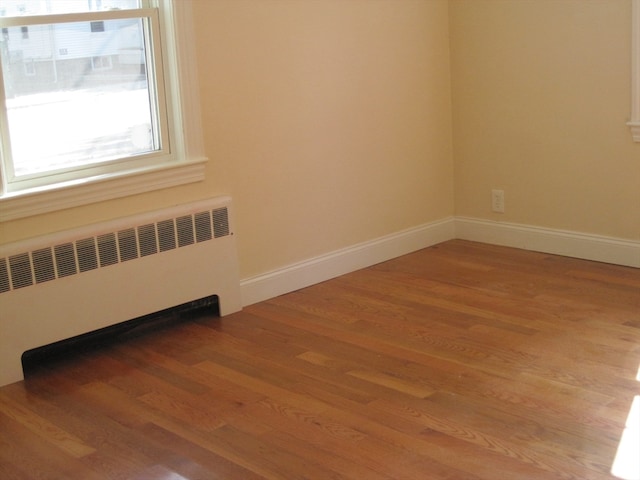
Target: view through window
80, 90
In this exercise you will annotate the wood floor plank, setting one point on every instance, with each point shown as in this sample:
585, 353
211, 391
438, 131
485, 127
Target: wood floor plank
462, 361
27, 455
44, 428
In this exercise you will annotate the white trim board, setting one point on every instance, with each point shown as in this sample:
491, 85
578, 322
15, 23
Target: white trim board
324, 267
634, 123
559, 242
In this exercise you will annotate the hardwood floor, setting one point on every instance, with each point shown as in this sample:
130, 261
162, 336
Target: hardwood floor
460, 361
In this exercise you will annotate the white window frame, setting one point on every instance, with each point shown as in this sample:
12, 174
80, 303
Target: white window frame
101, 63
30, 67
634, 124
180, 73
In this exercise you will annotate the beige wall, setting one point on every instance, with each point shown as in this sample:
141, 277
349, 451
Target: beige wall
541, 94
328, 121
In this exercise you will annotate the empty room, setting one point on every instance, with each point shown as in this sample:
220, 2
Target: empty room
320, 239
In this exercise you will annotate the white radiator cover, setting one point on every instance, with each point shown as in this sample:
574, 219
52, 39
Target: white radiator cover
66, 284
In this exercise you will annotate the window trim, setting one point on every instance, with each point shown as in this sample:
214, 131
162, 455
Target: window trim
176, 19
164, 128
634, 123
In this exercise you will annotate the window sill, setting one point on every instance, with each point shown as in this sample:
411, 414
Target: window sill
27, 203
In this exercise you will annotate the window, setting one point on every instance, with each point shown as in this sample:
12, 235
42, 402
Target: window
94, 103
634, 124
29, 67
97, 27
101, 63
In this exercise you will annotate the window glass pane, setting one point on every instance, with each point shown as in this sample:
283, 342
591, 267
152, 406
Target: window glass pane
14, 8
77, 94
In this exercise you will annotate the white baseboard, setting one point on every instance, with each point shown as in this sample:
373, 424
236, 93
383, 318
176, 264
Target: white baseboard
559, 242
324, 267
331, 265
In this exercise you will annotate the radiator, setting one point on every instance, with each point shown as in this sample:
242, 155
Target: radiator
70, 283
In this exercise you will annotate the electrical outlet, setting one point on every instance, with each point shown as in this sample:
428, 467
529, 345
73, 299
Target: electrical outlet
497, 201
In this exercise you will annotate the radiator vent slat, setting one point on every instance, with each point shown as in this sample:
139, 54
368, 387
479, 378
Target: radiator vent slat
4, 276
86, 254
128, 245
203, 226
147, 239
220, 222
107, 249
65, 259
166, 235
20, 266
185, 230
43, 265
